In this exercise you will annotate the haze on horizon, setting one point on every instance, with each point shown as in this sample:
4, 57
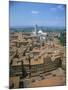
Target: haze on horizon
42, 14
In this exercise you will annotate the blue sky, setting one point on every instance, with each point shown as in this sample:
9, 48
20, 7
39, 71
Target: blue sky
29, 14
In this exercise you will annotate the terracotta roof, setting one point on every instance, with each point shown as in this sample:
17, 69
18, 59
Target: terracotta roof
54, 81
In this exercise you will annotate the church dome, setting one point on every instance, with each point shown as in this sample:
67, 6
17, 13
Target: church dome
40, 32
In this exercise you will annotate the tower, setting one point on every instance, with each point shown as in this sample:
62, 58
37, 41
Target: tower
35, 29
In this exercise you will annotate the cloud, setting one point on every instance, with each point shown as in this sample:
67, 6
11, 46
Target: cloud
35, 12
60, 7
53, 9
57, 18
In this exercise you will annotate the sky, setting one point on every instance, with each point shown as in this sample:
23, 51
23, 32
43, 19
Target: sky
43, 14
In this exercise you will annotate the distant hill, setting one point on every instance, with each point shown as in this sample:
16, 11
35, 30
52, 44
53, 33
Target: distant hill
43, 28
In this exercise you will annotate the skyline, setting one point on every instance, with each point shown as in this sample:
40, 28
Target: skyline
42, 14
